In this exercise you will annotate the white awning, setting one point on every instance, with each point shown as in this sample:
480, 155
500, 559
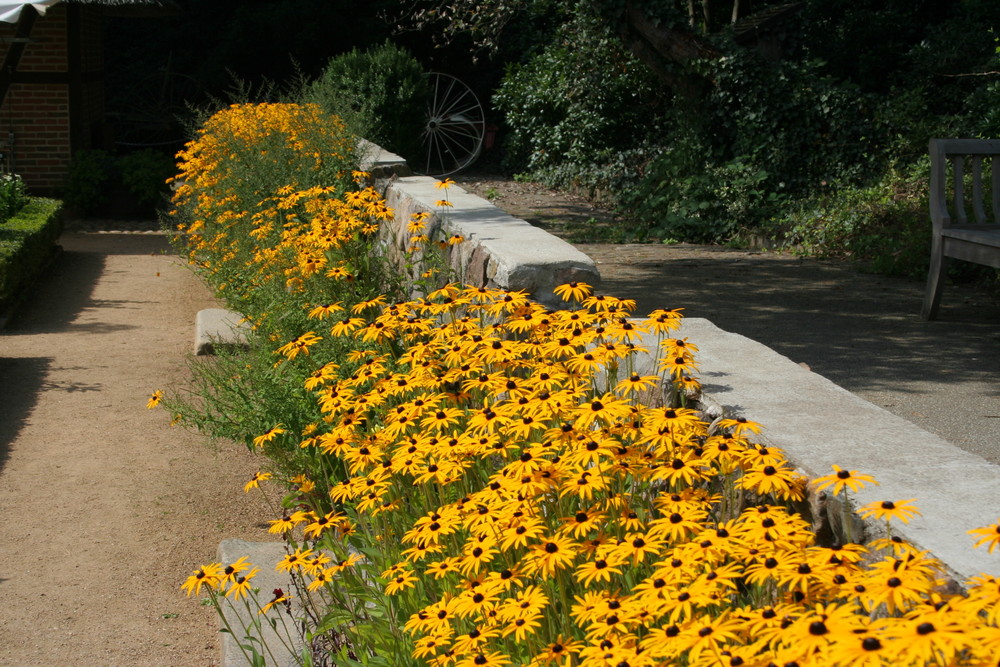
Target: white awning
10, 10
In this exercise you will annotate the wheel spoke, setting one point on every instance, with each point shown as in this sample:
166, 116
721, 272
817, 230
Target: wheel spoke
453, 136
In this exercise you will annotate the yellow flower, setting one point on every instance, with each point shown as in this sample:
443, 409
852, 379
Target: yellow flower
287, 523
207, 575
256, 479
299, 344
154, 399
400, 582
294, 561
445, 184
241, 585
841, 478
268, 435
903, 510
574, 291
988, 535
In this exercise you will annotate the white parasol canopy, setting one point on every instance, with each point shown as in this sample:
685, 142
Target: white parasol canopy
10, 10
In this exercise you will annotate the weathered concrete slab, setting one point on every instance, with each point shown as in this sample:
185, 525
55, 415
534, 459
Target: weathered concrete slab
820, 424
264, 555
218, 326
379, 162
498, 250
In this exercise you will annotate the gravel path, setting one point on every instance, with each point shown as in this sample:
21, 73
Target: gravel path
104, 507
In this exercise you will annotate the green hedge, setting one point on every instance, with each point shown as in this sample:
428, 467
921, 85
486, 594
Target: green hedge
26, 241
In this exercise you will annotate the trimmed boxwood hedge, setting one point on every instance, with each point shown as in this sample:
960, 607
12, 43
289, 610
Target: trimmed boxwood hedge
26, 242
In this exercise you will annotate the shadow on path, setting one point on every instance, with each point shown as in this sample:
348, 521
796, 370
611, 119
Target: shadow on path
61, 302
861, 331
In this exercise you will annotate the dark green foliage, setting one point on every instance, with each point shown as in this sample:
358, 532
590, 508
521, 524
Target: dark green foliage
26, 242
88, 182
818, 132
381, 94
13, 195
579, 113
145, 174
97, 176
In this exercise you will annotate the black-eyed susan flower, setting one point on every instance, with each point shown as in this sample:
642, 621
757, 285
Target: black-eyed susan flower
636, 383
841, 479
294, 561
210, 576
903, 510
574, 291
268, 435
299, 345
400, 582
241, 584
287, 522
768, 479
485, 659
551, 554
257, 478
604, 409
600, 569
323, 311
988, 535
154, 399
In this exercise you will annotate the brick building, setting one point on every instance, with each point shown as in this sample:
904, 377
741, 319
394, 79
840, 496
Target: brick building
52, 85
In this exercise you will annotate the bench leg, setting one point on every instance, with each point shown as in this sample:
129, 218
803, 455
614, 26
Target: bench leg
935, 281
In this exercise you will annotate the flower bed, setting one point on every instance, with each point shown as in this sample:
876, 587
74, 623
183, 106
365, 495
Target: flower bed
475, 479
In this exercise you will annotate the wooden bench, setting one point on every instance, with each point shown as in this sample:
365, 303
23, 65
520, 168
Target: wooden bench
961, 227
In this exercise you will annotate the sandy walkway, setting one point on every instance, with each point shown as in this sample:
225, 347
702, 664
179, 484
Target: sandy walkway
105, 508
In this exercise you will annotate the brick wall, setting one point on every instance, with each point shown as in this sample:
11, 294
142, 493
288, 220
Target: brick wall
55, 104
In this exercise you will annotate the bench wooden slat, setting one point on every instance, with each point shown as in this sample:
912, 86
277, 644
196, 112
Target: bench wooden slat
954, 235
995, 188
958, 206
977, 190
987, 237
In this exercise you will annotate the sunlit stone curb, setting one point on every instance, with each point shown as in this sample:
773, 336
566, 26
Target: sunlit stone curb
264, 555
215, 327
498, 250
819, 424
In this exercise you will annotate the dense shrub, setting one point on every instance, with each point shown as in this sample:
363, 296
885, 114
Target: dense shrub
381, 94
854, 90
582, 113
96, 177
269, 213
13, 195
27, 240
145, 173
88, 181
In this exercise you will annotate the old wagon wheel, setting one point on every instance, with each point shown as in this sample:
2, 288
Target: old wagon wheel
453, 135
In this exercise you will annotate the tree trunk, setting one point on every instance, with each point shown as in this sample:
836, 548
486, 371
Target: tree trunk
658, 47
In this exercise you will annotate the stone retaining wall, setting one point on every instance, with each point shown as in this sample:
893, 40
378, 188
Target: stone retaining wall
498, 250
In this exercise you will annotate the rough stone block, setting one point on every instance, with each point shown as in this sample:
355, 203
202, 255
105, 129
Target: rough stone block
218, 326
264, 555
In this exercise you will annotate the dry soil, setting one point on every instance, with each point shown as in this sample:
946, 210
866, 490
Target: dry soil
104, 507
